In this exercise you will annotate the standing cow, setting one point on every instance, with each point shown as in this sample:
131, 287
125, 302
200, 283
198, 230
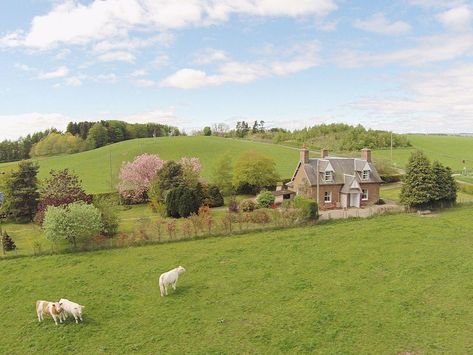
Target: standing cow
169, 278
70, 307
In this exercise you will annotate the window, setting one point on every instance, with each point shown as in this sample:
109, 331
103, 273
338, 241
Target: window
328, 196
365, 175
364, 194
328, 176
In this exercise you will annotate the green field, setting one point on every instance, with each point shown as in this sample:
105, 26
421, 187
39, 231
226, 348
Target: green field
390, 284
449, 150
93, 166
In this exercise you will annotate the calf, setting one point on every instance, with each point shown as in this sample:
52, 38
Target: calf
52, 308
73, 308
169, 278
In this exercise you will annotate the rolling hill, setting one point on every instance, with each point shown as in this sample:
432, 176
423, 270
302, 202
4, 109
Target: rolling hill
99, 168
393, 284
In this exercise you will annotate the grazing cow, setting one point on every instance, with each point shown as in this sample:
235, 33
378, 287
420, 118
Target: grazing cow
52, 308
73, 308
169, 278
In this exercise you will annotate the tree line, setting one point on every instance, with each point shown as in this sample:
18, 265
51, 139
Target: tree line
78, 137
334, 136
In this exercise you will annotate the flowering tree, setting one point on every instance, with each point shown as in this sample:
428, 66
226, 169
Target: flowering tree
136, 176
191, 168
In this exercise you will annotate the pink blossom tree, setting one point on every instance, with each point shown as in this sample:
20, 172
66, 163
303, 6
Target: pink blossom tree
191, 168
135, 177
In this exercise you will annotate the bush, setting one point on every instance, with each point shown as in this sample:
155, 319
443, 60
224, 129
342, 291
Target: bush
265, 199
109, 215
182, 202
260, 217
391, 178
215, 197
232, 205
308, 207
75, 223
7, 243
247, 205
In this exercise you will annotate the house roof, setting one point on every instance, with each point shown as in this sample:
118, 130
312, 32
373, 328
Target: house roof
342, 167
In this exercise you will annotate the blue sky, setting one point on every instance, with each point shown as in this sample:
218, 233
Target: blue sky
401, 65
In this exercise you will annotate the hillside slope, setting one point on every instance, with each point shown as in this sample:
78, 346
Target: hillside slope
388, 285
93, 166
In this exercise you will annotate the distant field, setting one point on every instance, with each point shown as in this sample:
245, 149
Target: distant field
393, 284
93, 167
449, 150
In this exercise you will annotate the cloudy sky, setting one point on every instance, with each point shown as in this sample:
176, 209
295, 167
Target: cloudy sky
402, 65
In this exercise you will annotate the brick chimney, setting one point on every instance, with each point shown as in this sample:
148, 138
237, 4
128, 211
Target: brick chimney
304, 154
324, 153
366, 154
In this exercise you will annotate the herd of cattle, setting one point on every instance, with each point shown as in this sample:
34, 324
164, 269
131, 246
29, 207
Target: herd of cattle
61, 309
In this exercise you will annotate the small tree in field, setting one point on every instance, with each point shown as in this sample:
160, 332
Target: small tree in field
21, 192
78, 222
136, 177
191, 168
445, 191
7, 243
419, 188
60, 189
222, 174
254, 172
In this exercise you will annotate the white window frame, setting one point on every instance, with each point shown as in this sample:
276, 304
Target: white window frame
365, 175
364, 195
329, 195
328, 176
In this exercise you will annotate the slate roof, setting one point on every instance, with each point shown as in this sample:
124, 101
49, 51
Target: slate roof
342, 167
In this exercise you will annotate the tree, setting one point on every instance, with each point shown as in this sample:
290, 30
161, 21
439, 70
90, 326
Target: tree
108, 214
445, 188
7, 243
214, 196
418, 190
254, 172
207, 131
60, 189
76, 223
170, 176
135, 177
223, 174
190, 170
265, 199
21, 192
98, 136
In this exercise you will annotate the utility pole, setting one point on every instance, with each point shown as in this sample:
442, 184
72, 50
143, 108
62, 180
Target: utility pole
391, 147
110, 165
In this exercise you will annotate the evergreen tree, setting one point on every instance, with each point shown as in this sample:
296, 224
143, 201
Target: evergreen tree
170, 176
419, 188
21, 195
7, 243
445, 189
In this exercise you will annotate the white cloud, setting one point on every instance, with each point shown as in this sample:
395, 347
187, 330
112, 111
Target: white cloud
210, 55
15, 126
106, 78
24, 67
73, 81
435, 101
298, 58
63, 53
160, 61
138, 73
378, 23
60, 72
130, 44
117, 56
73, 23
429, 50
458, 18
167, 116
144, 82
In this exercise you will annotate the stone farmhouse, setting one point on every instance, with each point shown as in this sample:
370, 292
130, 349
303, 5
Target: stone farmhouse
336, 182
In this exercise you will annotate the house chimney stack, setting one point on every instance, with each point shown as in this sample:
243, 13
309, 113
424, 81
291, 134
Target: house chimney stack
304, 154
366, 154
324, 153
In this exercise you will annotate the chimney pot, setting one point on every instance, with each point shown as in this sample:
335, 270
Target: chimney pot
324, 153
366, 154
304, 152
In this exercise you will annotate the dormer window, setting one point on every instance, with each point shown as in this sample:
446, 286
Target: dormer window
328, 177
365, 175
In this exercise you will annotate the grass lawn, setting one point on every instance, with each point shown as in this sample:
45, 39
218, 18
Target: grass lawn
449, 150
390, 284
93, 166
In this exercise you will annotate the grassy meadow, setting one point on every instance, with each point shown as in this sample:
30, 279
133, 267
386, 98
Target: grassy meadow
449, 150
390, 284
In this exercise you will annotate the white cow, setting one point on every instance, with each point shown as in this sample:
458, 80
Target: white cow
169, 278
70, 307
54, 309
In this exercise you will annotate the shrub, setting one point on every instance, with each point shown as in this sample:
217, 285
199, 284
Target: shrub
247, 205
182, 202
75, 223
265, 199
232, 205
215, 196
109, 215
260, 217
7, 243
308, 207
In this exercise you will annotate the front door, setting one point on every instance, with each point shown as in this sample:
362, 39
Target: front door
355, 200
